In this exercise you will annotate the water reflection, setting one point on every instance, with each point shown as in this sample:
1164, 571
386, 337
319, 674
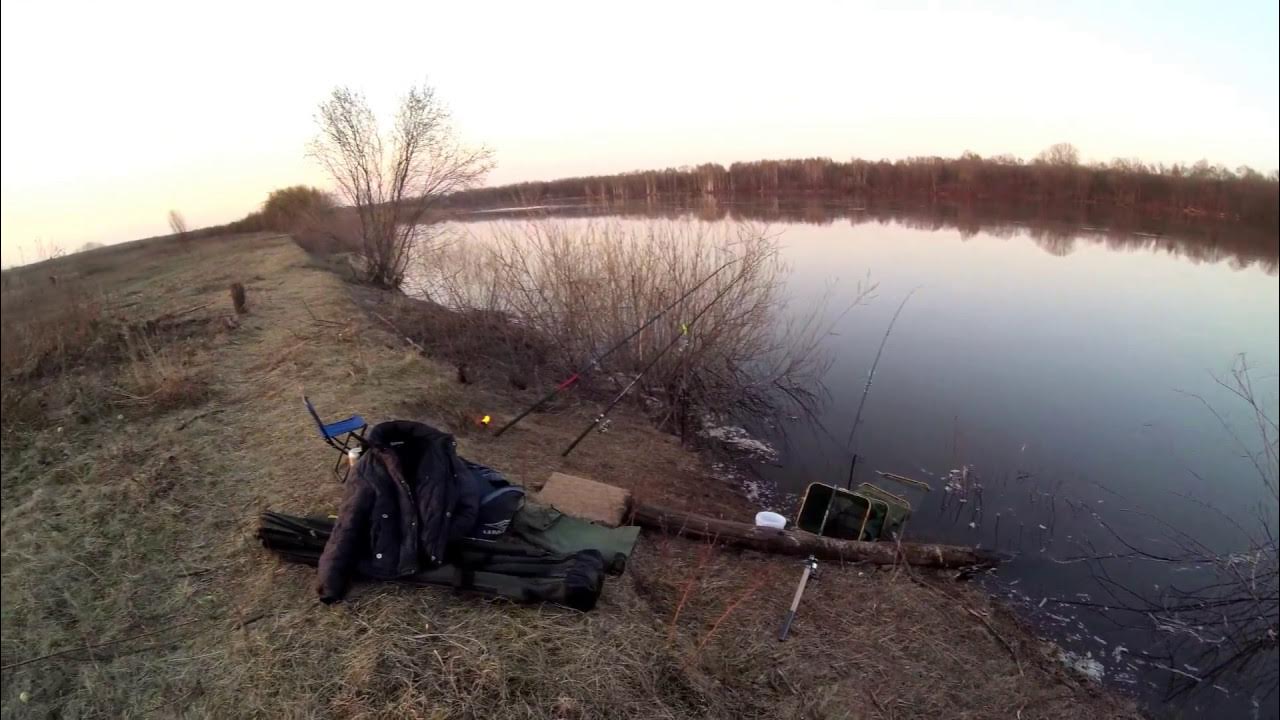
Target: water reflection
1057, 233
1040, 373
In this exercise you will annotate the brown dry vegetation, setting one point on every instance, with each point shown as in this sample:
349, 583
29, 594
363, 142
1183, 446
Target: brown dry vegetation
140, 441
554, 294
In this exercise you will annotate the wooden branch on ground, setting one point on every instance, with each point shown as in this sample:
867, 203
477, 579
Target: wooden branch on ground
803, 544
91, 648
155, 322
180, 313
401, 333
185, 423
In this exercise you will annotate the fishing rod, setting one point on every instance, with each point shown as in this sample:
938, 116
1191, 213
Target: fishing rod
595, 361
866, 389
684, 332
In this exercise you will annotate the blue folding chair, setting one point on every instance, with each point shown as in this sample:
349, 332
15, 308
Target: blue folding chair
342, 436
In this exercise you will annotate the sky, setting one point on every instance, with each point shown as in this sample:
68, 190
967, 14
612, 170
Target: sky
115, 113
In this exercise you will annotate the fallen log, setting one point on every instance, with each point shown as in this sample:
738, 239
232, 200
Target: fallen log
803, 544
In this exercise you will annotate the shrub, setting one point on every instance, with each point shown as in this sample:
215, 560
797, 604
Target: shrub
50, 327
156, 380
582, 288
291, 208
393, 177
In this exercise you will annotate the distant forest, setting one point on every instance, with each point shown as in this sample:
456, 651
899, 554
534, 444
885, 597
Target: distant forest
1055, 177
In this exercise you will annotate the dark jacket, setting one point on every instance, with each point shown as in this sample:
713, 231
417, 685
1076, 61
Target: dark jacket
407, 497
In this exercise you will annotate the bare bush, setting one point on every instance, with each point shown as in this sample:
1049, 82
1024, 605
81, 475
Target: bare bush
393, 183
48, 251
1220, 617
178, 224
581, 288
156, 380
50, 327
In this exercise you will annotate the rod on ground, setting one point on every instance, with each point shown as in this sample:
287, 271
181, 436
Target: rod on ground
684, 331
595, 361
810, 566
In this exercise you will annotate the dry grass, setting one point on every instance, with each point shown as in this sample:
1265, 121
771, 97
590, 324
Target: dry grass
127, 548
48, 325
866, 642
555, 293
158, 380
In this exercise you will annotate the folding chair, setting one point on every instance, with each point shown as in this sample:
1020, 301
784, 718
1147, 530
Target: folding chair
342, 436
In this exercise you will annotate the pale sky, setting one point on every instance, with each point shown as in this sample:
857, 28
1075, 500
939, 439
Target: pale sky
115, 112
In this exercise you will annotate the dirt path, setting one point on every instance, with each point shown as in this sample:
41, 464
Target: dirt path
128, 549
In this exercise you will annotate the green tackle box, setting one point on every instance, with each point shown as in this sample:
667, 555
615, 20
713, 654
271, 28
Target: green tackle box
865, 513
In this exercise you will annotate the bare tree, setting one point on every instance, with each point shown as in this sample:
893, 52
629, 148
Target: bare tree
178, 224
393, 184
1060, 154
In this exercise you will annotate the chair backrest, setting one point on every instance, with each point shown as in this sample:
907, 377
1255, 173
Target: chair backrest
315, 416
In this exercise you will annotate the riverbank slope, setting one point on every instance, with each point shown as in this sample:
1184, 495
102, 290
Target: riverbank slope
146, 424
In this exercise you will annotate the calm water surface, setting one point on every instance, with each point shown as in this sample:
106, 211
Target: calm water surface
1056, 363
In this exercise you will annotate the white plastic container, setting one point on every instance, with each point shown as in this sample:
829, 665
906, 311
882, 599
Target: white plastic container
771, 520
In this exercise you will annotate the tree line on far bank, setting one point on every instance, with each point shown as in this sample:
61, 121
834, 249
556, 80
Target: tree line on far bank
1056, 176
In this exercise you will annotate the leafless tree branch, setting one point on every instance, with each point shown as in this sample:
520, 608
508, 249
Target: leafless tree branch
394, 184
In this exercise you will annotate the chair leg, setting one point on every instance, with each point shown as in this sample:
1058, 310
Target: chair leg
339, 476
343, 447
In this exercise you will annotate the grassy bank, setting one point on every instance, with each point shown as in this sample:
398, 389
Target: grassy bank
146, 423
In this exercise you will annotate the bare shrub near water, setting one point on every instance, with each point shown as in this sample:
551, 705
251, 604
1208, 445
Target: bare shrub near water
582, 288
1221, 617
393, 182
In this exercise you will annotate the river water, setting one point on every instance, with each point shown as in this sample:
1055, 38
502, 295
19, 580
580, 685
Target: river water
1061, 368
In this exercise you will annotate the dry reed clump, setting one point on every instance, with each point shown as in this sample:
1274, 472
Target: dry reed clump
866, 642
736, 347
47, 331
327, 232
67, 359
157, 380
49, 328
476, 658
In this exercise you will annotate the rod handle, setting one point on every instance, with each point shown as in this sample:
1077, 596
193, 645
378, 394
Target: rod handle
786, 625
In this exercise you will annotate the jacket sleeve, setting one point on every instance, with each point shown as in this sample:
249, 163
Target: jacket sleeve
341, 551
466, 509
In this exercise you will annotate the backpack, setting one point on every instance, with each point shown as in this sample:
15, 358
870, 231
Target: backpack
499, 501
